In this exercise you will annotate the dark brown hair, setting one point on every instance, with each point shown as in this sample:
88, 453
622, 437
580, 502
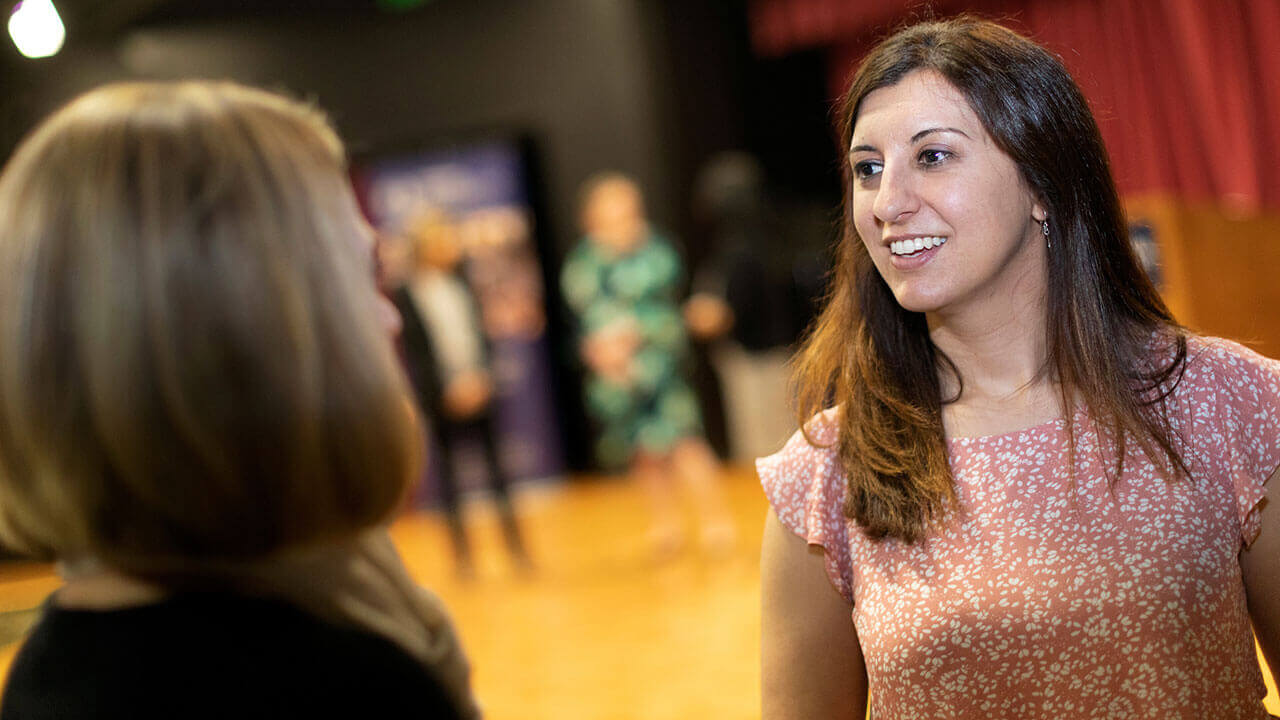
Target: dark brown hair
191, 363
875, 360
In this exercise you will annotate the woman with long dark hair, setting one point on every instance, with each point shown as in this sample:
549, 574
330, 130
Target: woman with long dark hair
1034, 493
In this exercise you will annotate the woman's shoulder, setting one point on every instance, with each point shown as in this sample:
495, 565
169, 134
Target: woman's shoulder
254, 650
1221, 350
806, 486
583, 252
1214, 363
806, 471
817, 440
1239, 390
196, 623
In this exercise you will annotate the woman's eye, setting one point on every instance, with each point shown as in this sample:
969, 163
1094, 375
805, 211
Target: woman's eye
865, 169
933, 156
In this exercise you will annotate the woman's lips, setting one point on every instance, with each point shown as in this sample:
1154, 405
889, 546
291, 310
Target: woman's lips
916, 258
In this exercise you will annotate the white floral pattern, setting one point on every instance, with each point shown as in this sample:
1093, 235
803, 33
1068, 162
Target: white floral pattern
1048, 598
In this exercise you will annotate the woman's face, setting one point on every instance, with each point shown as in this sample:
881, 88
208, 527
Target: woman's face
614, 216
943, 212
367, 245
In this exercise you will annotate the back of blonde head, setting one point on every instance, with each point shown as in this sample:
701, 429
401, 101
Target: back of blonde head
191, 367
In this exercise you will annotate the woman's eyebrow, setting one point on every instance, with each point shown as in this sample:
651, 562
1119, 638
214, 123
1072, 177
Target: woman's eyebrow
914, 138
928, 131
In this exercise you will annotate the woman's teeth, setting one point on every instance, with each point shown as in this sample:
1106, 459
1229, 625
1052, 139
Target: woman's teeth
914, 245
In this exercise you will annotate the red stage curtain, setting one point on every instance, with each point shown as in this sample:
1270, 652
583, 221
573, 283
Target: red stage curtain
1187, 92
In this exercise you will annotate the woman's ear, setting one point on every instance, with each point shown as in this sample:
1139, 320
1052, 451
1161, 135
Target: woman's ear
1038, 213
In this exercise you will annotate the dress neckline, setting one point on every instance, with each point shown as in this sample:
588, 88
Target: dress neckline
1055, 424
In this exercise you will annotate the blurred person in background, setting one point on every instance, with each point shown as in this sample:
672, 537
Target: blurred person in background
445, 350
623, 282
1022, 489
754, 294
203, 421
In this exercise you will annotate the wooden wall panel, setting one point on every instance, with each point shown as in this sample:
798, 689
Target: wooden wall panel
1221, 269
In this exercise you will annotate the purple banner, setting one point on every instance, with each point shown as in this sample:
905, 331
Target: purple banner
479, 193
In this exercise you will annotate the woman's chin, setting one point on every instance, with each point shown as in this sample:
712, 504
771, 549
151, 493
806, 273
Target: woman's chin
919, 302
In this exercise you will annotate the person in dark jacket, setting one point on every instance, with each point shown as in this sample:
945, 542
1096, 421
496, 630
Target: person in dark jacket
447, 355
202, 420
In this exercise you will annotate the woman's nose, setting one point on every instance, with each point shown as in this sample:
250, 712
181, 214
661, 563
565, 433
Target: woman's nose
895, 195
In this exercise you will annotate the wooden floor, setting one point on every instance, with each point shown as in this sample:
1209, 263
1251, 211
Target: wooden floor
600, 630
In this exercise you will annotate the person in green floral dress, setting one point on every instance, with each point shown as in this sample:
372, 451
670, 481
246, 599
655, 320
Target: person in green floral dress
623, 283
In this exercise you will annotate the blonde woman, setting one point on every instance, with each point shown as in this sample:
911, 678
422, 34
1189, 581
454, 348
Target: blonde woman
202, 419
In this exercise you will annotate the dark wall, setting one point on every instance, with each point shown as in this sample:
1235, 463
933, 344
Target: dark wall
650, 87
576, 75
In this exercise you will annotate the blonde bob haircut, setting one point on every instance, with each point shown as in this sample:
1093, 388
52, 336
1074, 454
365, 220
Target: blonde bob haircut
192, 367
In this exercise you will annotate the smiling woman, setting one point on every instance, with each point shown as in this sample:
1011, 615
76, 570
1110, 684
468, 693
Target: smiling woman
1022, 490
926, 171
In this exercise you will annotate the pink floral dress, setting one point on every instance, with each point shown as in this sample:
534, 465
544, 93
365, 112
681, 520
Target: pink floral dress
1046, 598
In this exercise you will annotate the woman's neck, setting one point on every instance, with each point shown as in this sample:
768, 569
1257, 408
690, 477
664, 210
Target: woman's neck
996, 359
1002, 358
89, 585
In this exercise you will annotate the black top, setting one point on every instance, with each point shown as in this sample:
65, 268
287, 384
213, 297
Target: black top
213, 655
418, 350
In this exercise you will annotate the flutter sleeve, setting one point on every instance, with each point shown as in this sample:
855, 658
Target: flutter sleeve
806, 487
1249, 402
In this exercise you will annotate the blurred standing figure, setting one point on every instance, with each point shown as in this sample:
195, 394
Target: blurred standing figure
622, 281
754, 294
202, 419
445, 349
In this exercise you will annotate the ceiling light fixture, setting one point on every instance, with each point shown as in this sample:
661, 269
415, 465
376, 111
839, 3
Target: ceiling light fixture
36, 28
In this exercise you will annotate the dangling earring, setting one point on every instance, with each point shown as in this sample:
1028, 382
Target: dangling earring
1044, 227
